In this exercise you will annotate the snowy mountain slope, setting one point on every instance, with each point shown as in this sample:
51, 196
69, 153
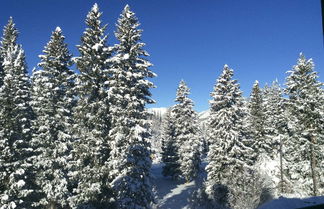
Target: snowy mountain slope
159, 112
203, 116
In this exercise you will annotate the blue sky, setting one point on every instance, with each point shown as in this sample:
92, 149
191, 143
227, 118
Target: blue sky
189, 39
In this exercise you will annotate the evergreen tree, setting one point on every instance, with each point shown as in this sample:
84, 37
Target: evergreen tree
9, 39
129, 93
256, 123
186, 133
228, 155
1, 70
52, 104
16, 177
306, 124
277, 133
91, 114
170, 152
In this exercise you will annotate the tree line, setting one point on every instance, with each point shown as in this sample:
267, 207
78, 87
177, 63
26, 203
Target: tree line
268, 145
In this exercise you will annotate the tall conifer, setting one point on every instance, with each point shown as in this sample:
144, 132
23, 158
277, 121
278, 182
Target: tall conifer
170, 149
228, 155
129, 92
16, 171
186, 133
305, 105
52, 101
91, 114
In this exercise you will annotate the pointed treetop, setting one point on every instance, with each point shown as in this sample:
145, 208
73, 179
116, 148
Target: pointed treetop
303, 61
226, 67
10, 21
58, 29
93, 16
95, 8
301, 56
227, 72
256, 84
10, 34
182, 83
256, 90
182, 92
128, 13
127, 7
304, 64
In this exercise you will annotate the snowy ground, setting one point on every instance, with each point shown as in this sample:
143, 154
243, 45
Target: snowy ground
176, 194
172, 194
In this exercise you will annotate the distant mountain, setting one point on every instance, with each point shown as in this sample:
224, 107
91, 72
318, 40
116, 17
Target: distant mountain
203, 116
159, 113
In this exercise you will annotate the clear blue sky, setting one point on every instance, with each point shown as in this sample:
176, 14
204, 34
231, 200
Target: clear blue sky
189, 39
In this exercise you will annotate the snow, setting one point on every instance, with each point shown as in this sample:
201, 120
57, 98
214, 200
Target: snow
126, 56
159, 112
13, 205
204, 116
20, 171
97, 46
95, 8
176, 194
171, 194
5, 197
292, 203
58, 29
20, 183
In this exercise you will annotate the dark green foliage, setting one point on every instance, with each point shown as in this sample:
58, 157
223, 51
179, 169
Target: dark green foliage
170, 154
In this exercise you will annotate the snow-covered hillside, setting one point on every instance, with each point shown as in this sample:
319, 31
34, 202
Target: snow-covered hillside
203, 116
159, 112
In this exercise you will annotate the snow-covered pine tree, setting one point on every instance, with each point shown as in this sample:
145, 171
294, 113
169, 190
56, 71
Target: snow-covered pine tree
256, 127
52, 101
186, 133
91, 114
16, 173
2, 74
1, 70
228, 155
129, 92
305, 147
276, 124
9, 38
170, 152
